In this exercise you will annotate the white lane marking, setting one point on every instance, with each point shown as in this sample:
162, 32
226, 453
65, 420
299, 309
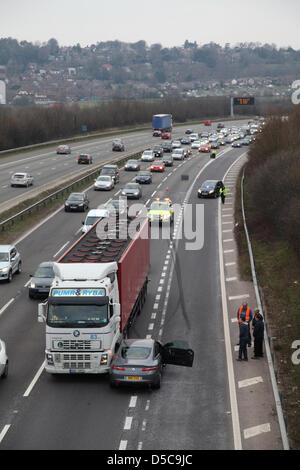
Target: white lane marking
128, 422
27, 283
236, 297
231, 379
155, 306
54, 256
123, 445
6, 305
35, 379
153, 315
140, 445
256, 430
228, 240
228, 251
249, 382
230, 279
4, 431
230, 264
154, 192
151, 326
133, 400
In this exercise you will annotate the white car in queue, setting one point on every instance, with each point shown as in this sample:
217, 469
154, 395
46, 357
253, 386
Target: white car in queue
92, 216
3, 360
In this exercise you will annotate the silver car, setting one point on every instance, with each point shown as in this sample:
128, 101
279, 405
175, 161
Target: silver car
10, 262
141, 361
104, 183
147, 156
3, 360
21, 179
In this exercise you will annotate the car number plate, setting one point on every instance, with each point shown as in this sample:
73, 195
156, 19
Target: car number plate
133, 377
76, 371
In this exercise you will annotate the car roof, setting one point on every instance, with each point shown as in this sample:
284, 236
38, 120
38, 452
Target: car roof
6, 247
97, 212
148, 342
45, 264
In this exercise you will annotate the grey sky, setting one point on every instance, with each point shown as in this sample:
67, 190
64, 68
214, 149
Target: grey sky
169, 23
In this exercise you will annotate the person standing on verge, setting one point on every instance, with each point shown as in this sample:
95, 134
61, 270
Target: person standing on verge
223, 192
247, 313
244, 338
258, 334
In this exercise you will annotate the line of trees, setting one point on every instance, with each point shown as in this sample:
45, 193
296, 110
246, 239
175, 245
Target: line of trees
28, 125
273, 178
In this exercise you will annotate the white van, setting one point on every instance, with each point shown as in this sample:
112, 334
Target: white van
92, 216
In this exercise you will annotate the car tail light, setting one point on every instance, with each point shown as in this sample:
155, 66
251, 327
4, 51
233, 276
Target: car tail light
118, 368
145, 369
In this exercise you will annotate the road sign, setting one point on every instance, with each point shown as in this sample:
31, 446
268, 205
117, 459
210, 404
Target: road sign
245, 100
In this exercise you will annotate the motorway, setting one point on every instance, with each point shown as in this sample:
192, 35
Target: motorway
192, 410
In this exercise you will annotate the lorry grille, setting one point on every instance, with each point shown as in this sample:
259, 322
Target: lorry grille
76, 361
77, 345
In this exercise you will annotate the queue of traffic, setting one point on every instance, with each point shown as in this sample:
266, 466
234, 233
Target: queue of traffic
87, 298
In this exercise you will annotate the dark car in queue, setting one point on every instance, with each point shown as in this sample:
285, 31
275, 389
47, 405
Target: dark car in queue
167, 160
167, 147
77, 202
210, 188
185, 141
132, 191
141, 361
41, 280
158, 151
236, 143
85, 158
132, 165
143, 177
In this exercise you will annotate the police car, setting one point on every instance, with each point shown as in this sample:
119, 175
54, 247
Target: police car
161, 211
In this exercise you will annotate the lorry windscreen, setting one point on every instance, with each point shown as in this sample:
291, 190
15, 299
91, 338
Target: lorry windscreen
77, 316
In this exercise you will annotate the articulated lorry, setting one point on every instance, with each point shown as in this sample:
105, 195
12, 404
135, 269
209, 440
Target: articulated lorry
162, 123
99, 288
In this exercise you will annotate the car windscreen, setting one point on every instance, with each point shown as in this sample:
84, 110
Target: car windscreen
19, 176
108, 171
44, 271
91, 220
208, 184
75, 197
132, 162
131, 186
143, 173
78, 315
134, 352
4, 256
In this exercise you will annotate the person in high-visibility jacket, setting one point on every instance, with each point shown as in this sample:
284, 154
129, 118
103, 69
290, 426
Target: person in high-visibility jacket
245, 311
223, 192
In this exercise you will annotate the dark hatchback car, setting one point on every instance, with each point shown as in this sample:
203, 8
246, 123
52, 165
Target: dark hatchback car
168, 160
41, 280
132, 191
77, 202
158, 151
210, 188
167, 147
85, 158
141, 361
143, 176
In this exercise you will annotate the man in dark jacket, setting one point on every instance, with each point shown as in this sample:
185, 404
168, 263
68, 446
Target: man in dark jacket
244, 338
258, 334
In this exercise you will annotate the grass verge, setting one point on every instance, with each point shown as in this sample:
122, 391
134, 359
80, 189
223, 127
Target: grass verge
278, 273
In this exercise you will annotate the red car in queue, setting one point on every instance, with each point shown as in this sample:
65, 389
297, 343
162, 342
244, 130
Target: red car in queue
166, 135
157, 166
204, 148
